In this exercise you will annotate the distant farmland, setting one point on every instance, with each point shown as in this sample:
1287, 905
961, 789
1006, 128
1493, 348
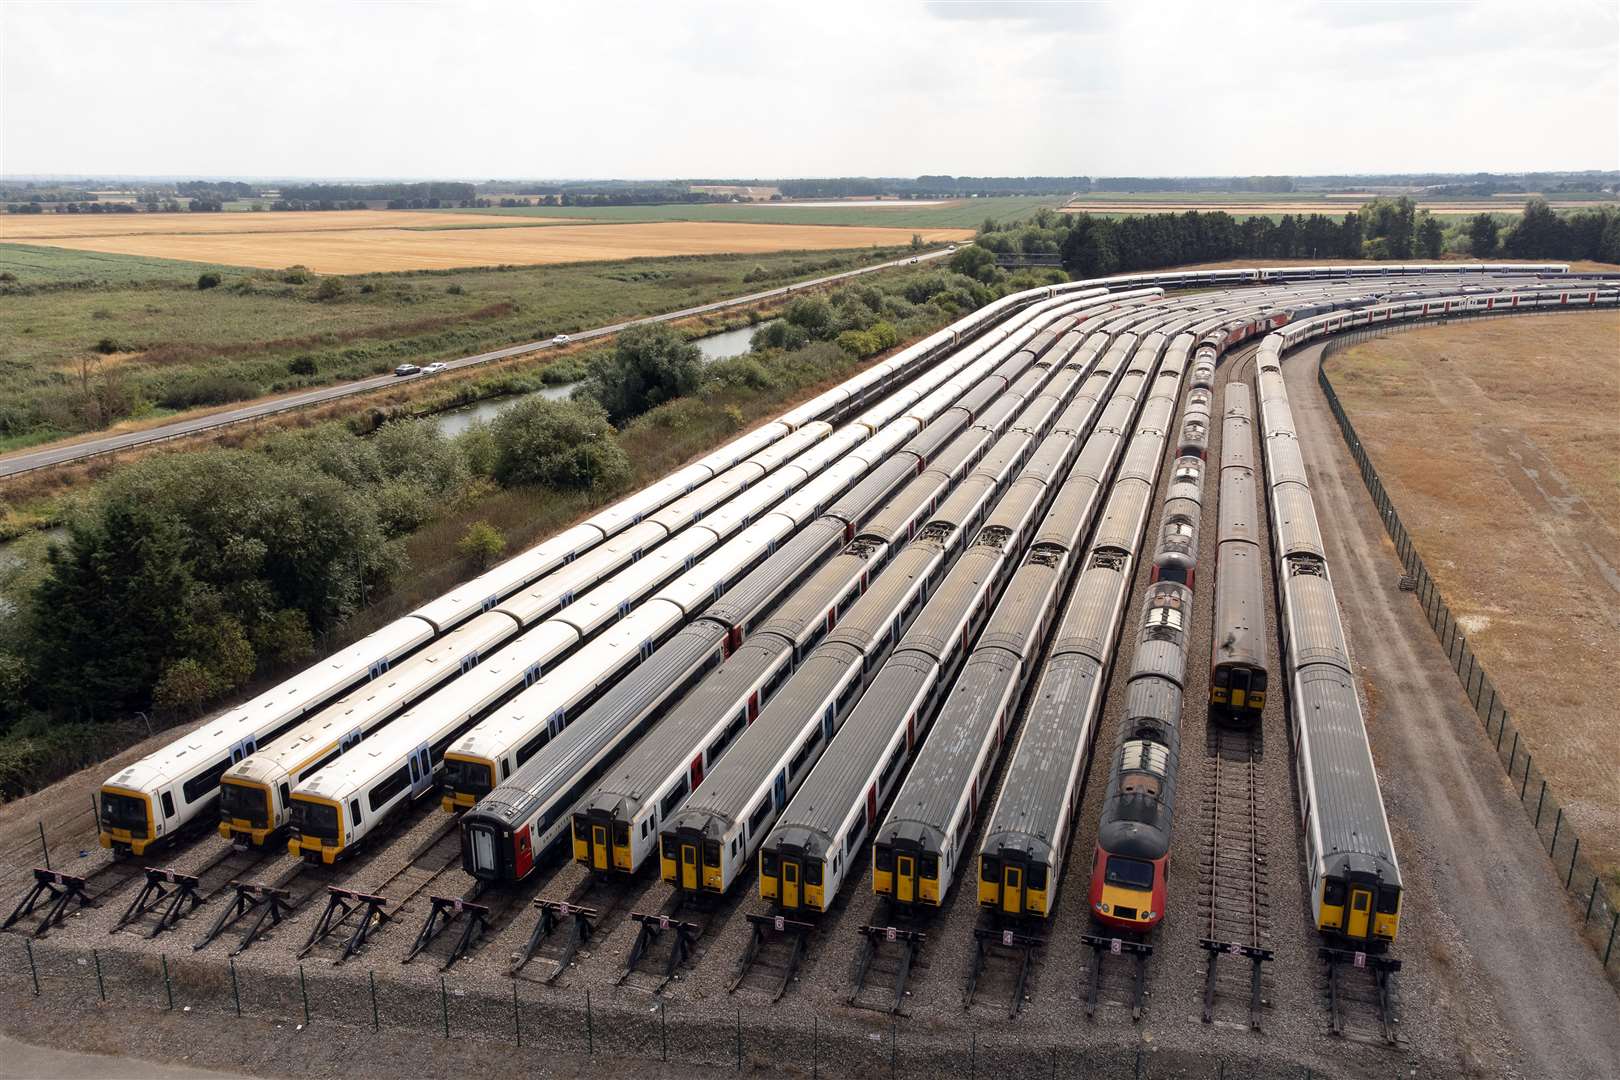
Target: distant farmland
899, 213
368, 241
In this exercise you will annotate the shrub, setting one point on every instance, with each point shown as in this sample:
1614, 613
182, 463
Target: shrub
649, 365
567, 444
330, 288
296, 275
302, 365
107, 346
208, 280
455, 290
482, 544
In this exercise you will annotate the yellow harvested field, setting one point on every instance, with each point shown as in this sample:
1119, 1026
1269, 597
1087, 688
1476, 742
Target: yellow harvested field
367, 248
1496, 440
29, 228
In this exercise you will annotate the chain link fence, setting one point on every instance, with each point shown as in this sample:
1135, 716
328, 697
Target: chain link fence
1597, 899
358, 1007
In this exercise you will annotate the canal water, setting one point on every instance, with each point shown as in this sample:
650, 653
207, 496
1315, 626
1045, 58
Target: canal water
452, 422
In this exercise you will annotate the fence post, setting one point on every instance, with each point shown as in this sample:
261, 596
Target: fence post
663, 1026
236, 993
1556, 826
1539, 799
101, 984
517, 1021
1573, 855
32, 970
371, 978
590, 1036
1499, 729
1590, 900
168, 988
44, 848
444, 1006
1612, 927
303, 990
1525, 786
1513, 755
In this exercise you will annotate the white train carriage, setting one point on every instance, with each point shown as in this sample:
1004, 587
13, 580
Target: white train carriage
254, 793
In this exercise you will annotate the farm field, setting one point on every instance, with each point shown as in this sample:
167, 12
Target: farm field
922, 214
28, 228
370, 249
1496, 441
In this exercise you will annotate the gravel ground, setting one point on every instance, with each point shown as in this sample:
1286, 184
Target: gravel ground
1454, 988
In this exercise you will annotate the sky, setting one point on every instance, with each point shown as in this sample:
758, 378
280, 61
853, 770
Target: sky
484, 90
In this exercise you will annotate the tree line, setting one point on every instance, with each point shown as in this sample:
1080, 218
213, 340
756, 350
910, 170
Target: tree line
1093, 246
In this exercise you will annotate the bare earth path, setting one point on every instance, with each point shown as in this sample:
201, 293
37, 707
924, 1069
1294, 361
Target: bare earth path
1511, 955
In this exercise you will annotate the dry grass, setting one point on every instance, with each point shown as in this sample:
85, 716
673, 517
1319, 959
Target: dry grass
1497, 440
1331, 206
27, 228
369, 247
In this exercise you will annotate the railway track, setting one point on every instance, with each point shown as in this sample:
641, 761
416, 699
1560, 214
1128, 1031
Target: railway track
1234, 876
564, 927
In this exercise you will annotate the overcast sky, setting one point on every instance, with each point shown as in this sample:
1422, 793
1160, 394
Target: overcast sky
764, 89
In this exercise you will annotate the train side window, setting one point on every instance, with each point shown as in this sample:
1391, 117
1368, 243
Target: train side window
506, 768
760, 813
286, 796
354, 810
168, 805
853, 840
673, 799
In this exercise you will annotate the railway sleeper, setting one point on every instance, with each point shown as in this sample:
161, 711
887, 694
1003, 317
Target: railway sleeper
62, 889
446, 910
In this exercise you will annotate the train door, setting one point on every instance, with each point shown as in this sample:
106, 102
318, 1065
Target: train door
790, 884
905, 879
1360, 912
697, 770
421, 772
599, 846
689, 865
524, 859
1012, 889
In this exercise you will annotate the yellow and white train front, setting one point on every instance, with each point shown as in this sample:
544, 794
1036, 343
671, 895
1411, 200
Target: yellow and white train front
127, 823
907, 870
320, 832
695, 861
1357, 903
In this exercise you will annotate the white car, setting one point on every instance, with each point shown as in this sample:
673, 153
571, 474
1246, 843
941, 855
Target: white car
434, 368
560, 339
952, 247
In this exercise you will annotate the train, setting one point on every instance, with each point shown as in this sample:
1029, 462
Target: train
1239, 666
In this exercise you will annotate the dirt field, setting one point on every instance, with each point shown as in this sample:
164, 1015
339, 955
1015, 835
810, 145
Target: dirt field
367, 248
27, 228
1497, 442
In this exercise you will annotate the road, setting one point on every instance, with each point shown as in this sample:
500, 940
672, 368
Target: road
67, 453
1506, 950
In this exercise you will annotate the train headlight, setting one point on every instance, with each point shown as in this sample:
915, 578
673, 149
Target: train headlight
1102, 907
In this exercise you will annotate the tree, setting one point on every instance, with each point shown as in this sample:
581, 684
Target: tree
1482, 232
1539, 233
649, 365
185, 684
482, 544
567, 444
977, 263
1431, 235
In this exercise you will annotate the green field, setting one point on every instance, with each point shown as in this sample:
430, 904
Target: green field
960, 214
91, 339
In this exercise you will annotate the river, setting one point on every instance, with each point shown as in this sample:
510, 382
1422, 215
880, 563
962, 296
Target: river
721, 346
